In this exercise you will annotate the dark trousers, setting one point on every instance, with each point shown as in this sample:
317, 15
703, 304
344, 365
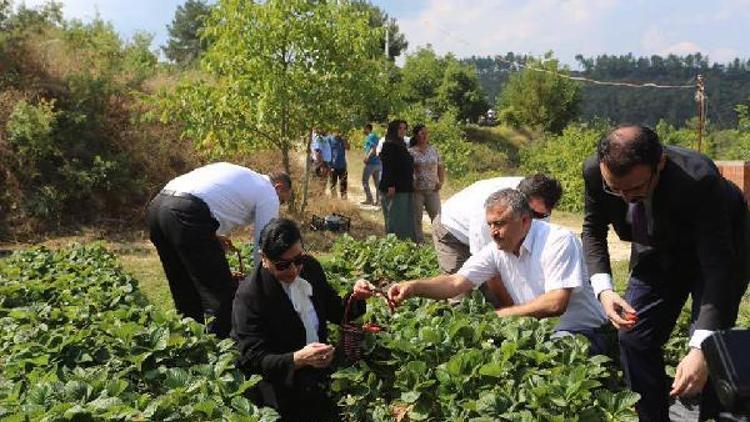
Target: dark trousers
184, 233
341, 176
641, 348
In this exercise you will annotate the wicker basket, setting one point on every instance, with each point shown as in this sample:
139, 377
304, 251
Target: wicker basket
351, 336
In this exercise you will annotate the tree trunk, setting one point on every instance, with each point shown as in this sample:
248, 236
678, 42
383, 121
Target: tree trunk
308, 168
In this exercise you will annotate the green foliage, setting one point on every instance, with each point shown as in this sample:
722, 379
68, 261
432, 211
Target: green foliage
80, 342
379, 259
69, 139
441, 84
30, 130
445, 134
562, 156
460, 89
734, 144
185, 45
377, 18
726, 86
539, 98
435, 361
276, 69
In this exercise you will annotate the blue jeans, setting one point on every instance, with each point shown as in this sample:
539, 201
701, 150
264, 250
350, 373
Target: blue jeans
374, 171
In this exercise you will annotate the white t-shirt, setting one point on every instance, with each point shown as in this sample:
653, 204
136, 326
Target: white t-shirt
550, 258
236, 196
463, 214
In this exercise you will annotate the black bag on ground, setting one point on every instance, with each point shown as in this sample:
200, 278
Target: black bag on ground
726, 353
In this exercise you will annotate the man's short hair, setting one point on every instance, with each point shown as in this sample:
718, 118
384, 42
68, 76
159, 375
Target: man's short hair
512, 198
279, 235
280, 176
621, 154
368, 127
542, 186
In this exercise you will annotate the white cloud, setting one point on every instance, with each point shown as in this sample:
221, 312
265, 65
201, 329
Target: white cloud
496, 26
681, 49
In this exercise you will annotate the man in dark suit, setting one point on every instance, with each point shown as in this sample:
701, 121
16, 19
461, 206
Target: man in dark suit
687, 226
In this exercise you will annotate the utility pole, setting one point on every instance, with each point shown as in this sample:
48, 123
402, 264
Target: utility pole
387, 41
700, 101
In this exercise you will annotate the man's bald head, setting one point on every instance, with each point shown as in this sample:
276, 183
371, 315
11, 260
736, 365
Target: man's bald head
628, 146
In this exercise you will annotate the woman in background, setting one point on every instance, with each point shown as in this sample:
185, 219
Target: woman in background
397, 183
429, 176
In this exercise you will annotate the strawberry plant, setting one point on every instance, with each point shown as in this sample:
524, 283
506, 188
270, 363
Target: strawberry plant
434, 361
80, 342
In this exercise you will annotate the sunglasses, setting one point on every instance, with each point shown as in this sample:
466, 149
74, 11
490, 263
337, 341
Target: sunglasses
283, 264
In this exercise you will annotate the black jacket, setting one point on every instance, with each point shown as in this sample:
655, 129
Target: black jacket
398, 167
268, 330
699, 225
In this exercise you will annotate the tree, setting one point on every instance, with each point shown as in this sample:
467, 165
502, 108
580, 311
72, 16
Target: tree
277, 69
460, 89
421, 76
185, 45
397, 43
538, 97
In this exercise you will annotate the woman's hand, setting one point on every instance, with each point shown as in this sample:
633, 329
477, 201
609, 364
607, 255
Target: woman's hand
317, 355
438, 187
363, 289
391, 192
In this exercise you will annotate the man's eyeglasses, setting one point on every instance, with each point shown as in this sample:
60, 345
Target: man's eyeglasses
638, 189
283, 264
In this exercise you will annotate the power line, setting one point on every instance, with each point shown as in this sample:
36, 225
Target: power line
562, 75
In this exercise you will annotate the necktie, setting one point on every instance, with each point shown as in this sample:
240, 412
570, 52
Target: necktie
639, 223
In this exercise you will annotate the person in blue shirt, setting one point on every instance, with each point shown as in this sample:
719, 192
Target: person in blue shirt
338, 145
373, 167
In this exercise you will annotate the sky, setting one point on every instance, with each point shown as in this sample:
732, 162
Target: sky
489, 27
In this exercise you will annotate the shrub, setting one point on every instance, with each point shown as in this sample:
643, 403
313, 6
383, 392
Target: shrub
562, 156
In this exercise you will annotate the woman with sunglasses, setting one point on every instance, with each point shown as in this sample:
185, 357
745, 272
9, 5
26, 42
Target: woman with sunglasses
279, 322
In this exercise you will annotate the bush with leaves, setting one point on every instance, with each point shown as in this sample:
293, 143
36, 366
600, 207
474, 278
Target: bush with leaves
562, 156
80, 342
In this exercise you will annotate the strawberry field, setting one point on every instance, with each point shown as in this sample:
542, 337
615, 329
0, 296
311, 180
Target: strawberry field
80, 342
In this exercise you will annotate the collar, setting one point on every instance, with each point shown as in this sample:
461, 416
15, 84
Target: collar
530, 239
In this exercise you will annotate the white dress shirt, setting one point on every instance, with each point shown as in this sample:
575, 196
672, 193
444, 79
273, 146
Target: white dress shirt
300, 294
463, 214
550, 258
235, 195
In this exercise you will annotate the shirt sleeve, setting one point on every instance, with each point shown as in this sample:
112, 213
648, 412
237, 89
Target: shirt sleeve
601, 282
562, 265
480, 267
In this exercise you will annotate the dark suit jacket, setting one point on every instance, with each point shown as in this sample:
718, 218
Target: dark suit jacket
699, 221
268, 330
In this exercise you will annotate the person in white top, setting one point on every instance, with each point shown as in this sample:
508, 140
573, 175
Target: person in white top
460, 230
541, 266
189, 221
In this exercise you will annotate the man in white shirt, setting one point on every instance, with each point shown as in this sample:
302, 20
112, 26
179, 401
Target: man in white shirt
189, 221
541, 266
321, 153
461, 228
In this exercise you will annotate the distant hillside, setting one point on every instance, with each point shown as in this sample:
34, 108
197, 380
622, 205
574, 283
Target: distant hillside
726, 86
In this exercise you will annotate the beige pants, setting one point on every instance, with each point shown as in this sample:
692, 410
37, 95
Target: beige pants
425, 200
